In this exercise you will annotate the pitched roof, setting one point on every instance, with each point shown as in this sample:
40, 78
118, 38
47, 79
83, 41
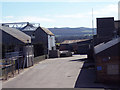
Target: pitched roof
73, 41
103, 46
29, 27
16, 33
47, 31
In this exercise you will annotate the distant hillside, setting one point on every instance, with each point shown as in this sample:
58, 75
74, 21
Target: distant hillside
72, 33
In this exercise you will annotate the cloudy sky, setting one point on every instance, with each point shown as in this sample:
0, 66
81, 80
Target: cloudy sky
61, 13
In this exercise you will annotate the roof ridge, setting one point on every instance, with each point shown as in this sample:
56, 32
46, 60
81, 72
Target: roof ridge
47, 31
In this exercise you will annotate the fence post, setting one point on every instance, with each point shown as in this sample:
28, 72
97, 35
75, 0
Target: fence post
13, 68
18, 64
6, 74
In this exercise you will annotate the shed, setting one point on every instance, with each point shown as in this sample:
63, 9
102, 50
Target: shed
78, 46
105, 29
42, 38
107, 57
15, 42
107, 51
117, 27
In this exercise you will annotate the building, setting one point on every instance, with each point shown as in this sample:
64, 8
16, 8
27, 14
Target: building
77, 46
107, 57
42, 38
107, 51
16, 43
105, 30
117, 27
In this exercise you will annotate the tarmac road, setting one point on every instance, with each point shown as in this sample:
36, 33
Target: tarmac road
50, 73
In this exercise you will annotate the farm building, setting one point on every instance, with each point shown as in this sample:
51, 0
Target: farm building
107, 57
107, 51
77, 46
117, 27
42, 38
16, 44
105, 30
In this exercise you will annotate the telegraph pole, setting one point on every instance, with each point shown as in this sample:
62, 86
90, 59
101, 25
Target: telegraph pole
92, 35
92, 23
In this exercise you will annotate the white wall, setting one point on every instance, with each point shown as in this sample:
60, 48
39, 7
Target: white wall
51, 42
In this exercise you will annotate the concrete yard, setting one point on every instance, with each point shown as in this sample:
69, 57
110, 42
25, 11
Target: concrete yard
50, 73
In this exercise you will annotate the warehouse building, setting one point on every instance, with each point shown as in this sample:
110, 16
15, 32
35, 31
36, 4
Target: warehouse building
16, 44
77, 46
107, 51
42, 38
105, 30
117, 27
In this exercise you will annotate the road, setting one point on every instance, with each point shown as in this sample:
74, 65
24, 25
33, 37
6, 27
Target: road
50, 73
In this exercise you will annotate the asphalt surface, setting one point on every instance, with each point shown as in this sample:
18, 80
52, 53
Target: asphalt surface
50, 73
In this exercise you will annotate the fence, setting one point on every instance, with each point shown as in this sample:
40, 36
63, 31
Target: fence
13, 65
13, 61
9, 69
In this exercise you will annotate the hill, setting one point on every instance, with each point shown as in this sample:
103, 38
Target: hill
67, 33
71, 31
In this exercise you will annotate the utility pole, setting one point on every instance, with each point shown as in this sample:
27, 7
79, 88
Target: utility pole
92, 35
92, 23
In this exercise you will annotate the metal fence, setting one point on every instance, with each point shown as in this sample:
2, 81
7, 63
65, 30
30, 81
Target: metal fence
12, 63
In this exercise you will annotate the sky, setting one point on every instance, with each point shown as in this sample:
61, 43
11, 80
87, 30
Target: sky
69, 13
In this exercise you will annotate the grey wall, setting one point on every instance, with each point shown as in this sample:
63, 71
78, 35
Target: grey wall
105, 27
41, 38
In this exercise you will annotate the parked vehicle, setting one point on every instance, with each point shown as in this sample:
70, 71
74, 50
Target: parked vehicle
65, 53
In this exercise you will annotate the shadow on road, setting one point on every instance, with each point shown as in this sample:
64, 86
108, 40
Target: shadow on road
87, 77
79, 60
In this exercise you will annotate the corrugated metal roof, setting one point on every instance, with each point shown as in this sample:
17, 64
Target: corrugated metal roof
16, 33
103, 46
29, 28
47, 31
73, 41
